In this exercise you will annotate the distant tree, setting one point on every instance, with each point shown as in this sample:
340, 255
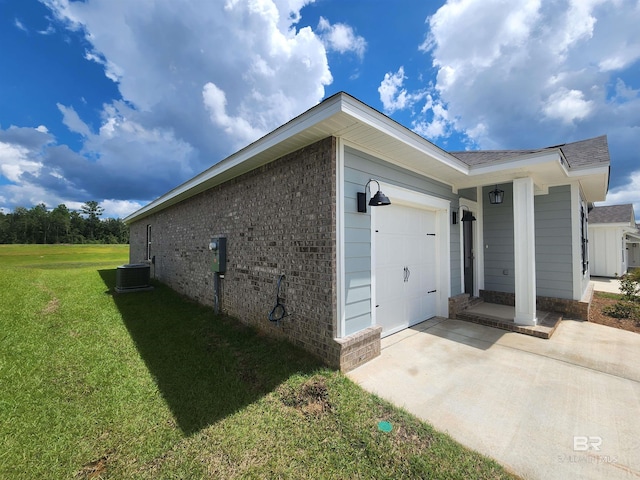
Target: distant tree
92, 211
61, 225
39, 217
115, 231
5, 227
21, 225
77, 228
60, 219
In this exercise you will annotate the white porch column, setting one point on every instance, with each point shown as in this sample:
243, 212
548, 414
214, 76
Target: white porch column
525, 251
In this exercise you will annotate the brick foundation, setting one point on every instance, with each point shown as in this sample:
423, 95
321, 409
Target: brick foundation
359, 348
575, 309
459, 303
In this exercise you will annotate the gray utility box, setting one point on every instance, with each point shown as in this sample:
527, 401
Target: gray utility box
218, 247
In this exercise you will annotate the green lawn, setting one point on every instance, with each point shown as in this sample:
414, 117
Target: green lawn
150, 385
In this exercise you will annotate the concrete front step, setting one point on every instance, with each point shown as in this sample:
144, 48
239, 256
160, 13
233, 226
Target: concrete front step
501, 316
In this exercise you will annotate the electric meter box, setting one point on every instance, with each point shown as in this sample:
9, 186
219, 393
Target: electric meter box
218, 247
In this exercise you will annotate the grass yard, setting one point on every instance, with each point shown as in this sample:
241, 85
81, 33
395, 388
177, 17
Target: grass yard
150, 385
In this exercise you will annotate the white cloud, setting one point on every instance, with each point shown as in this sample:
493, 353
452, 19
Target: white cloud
119, 208
15, 160
47, 31
341, 38
19, 25
394, 96
528, 73
438, 126
197, 80
237, 127
627, 193
567, 106
73, 122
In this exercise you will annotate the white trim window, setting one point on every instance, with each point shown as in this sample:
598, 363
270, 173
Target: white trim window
148, 242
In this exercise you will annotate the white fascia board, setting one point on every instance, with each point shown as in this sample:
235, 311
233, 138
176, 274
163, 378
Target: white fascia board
525, 161
370, 116
591, 170
611, 225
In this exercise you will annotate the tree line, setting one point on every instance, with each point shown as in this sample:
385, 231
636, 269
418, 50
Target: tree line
61, 225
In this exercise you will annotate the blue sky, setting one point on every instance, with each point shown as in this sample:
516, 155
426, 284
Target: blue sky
119, 101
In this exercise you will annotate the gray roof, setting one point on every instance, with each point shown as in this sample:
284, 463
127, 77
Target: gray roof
612, 214
590, 152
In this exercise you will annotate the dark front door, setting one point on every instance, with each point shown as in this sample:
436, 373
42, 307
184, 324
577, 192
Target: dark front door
467, 232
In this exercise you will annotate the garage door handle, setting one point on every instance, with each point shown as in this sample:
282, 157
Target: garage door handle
407, 274
432, 291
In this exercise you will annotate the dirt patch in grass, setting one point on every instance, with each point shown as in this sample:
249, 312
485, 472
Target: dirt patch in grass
94, 469
53, 304
51, 307
596, 315
311, 398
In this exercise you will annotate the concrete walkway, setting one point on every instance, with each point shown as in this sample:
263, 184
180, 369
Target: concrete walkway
605, 284
562, 408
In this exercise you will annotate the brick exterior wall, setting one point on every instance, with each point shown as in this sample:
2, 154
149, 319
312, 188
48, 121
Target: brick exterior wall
278, 219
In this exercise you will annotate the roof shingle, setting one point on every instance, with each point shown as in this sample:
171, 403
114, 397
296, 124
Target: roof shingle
593, 151
612, 214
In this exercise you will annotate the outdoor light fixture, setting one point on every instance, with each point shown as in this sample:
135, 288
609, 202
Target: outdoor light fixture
378, 200
496, 196
467, 216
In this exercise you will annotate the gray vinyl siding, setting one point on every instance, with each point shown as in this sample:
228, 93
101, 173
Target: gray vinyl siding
552, 212
498, 239
470, 193
359, 168
554, 260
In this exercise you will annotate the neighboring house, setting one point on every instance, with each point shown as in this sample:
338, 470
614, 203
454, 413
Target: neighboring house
288, 205
633, 244
614, 240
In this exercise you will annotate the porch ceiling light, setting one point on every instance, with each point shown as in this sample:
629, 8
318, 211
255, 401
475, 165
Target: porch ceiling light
496, 196
378, 200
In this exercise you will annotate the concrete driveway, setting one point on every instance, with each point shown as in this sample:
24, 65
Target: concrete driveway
567, 407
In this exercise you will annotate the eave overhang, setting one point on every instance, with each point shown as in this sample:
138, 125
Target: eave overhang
343, 116
339, 116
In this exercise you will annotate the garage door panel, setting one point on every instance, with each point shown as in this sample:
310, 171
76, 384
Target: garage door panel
394, 318
388, 288
402, 242
385, 245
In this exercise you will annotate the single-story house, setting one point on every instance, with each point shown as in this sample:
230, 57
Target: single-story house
295, 214
614, 240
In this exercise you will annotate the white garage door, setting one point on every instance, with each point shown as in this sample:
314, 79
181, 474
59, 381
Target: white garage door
405, 266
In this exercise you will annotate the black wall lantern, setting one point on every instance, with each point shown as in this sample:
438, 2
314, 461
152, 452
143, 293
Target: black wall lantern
378, 200
467, 216
496, 196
